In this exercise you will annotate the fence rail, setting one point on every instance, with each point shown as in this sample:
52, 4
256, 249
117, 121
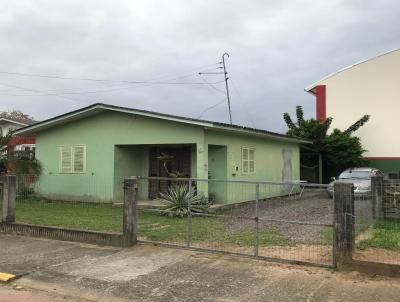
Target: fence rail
269, 220
287, 222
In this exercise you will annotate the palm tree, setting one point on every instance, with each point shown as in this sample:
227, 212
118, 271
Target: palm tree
18, 162
317, 132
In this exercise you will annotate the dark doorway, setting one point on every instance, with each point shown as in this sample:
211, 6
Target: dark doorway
180, 161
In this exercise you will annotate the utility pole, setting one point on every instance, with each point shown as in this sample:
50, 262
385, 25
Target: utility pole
225, 55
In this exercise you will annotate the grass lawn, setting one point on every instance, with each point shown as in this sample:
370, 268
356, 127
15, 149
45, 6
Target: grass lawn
386, 234
360, 227
97, 217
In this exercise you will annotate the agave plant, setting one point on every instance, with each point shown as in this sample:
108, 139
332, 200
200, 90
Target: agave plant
178, 198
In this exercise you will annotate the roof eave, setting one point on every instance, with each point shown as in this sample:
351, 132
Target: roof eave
15, 122
87, 111
310, 88
263, 135
31, 129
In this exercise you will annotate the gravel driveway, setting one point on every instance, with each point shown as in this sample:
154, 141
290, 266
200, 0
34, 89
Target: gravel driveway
313, 206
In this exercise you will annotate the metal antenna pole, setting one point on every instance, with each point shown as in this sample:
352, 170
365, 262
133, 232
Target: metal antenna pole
226, 81
226, 85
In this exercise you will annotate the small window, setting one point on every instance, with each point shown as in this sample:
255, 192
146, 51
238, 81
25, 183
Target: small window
248, 160
73, 159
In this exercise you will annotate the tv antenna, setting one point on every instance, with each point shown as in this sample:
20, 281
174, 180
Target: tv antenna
225, 73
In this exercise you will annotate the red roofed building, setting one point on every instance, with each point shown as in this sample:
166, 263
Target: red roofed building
17, 142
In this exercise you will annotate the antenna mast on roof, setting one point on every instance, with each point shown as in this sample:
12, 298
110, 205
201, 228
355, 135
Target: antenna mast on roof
225, 73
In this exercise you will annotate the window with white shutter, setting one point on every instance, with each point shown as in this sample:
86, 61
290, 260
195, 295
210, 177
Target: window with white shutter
65, 159
79, 159
248, 160
73, 159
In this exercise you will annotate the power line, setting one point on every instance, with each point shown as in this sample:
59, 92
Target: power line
34, 90
104, 90
209, 108
90, 79
241, 102
211, 85
137, 84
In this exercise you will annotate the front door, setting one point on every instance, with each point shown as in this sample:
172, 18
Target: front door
180, 162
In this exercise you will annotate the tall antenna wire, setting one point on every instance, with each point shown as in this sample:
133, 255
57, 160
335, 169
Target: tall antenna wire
225, 73
226, 85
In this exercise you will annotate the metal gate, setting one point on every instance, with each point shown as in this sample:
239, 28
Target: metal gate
285, 222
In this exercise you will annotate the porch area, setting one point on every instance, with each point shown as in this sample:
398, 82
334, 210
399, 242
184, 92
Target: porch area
170, 161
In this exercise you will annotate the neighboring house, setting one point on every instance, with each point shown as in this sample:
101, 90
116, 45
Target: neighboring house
369, 87
17, 142
88, 152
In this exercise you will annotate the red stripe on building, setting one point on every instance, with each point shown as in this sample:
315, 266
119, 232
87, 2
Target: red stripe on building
320, 92
19, 140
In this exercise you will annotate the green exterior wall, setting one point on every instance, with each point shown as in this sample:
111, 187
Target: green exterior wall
117, 146
101, 134
386, 165
269, 165
129, 160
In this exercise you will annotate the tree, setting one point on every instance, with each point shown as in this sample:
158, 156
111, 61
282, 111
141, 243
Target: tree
19, 162
337, 151
16, 115
342, 151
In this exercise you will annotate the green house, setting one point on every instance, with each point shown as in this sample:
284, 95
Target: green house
87, 153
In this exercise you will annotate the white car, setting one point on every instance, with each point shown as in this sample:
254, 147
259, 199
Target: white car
360, 177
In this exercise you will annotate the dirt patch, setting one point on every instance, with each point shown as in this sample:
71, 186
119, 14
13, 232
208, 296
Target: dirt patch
367, 234
378, 255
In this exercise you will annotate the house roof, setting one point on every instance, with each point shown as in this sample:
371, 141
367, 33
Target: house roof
311, 88
100, 107
15, 121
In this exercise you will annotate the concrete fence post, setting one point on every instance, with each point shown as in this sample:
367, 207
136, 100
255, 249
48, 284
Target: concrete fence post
129, 228
343, 224
9, 194
376, 195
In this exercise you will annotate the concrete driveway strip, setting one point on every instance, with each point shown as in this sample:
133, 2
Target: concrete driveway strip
149, 273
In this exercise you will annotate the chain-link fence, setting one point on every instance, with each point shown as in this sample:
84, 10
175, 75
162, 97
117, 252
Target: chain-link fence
1, 200
293, 221
281, 221
59, 201
377, 223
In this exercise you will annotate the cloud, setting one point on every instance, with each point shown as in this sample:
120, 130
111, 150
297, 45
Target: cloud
277, 48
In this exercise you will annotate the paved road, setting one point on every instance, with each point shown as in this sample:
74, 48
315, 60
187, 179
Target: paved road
64, 271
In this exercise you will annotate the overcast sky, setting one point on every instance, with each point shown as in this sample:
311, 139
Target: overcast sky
276, 49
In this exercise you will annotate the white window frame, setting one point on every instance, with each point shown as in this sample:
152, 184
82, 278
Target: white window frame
72, 152
23, 146
248, 148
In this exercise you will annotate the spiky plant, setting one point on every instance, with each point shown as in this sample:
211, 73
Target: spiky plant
178, 198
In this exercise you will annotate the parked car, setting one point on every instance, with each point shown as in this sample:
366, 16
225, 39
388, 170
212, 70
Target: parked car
360, 177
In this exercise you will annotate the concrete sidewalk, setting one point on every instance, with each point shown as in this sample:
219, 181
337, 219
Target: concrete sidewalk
78, 272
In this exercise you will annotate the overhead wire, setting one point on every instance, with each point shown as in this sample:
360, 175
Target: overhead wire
169, 81
35, 90
211, 107
100, 91
88, 79
212, 84
242, 103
